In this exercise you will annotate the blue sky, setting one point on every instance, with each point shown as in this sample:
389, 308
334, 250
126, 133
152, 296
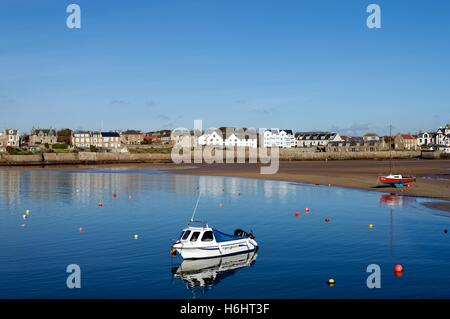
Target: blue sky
303, 65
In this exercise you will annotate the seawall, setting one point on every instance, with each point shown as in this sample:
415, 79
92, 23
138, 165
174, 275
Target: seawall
82, 158
111, 158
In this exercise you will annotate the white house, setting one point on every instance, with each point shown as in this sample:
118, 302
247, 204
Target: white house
311, 139
424, 139
10, 137
215, 137
241, 140
211, 138
278, 138
442, 136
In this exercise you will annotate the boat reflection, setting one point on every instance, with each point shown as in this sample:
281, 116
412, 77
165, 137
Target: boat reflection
396, 200
204, 273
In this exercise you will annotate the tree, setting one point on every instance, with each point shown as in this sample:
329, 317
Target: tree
64, 135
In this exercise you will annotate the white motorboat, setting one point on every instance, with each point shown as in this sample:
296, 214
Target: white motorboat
197, 242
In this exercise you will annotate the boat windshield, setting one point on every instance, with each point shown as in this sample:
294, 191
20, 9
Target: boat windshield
186, 235
181, 236
195, 235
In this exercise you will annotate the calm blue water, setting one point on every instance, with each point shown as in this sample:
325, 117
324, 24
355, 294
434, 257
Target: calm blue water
295, 260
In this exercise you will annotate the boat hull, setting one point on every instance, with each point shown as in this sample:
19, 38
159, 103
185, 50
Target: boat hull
397, 182
214, 250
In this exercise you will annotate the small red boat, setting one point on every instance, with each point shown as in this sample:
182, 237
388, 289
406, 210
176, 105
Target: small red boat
396, 180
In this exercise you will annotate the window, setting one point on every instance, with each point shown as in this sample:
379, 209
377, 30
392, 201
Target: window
195, 235
208, 236
182, 233
186, 235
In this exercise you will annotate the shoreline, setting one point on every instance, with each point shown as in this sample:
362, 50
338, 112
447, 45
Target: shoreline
433, 176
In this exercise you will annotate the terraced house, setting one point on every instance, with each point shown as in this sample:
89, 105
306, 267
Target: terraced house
356, 144
132, 137
316, 139
82, 139
110, 140
278, 138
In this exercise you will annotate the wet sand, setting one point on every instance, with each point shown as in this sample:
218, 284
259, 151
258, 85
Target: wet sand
445, 206
433, 176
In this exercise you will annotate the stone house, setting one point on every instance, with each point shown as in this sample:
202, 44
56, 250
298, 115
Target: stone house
132, 137
43, 136
405, 142
354, 144
81, 139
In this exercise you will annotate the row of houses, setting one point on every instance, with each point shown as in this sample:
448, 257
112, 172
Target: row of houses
280, 138
112, 140
330, 141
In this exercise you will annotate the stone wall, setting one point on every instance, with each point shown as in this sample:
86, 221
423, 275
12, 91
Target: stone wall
92, 157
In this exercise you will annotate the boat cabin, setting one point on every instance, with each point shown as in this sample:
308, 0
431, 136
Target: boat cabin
194, 234
206, 234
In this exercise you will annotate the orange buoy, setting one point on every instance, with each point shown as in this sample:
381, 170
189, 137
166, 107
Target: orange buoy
327, 219
306, 210
100, 204
81, 229
296, 213
398, 268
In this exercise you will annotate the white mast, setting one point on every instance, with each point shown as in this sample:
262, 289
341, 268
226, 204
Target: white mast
195, 209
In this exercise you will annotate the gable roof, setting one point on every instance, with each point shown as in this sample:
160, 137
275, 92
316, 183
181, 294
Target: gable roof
45, 131
407, 137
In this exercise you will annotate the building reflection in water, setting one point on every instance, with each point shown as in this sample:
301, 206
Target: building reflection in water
203, 274
86, 185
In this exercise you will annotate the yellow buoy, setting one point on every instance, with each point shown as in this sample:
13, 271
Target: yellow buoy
370, 226
331, 282
27, 212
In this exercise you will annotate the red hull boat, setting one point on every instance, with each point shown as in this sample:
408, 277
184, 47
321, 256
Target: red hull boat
396, 179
